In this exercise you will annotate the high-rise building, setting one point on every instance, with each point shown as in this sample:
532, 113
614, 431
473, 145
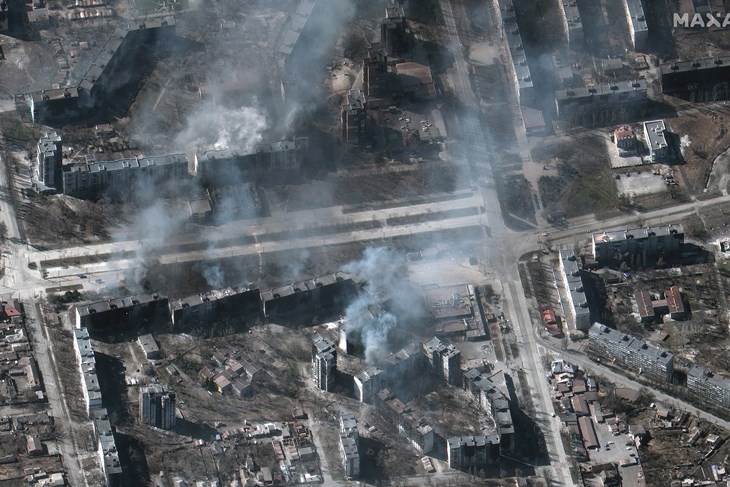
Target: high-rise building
157, 407
49, 157
353, 119
324, 362
393, 31
444, 360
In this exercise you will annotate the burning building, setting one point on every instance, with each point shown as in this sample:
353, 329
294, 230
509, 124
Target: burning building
353, 120
330, 293
123, 313
239, 304
280, 160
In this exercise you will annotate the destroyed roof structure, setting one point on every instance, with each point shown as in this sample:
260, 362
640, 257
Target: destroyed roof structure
412, 426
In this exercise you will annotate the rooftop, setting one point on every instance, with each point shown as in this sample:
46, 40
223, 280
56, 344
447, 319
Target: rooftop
601, 90
638, 233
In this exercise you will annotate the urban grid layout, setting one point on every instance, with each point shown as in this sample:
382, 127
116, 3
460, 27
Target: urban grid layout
378, 243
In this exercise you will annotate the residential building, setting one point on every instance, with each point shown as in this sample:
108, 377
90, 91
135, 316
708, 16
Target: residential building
650, 308
50, 162
349, 445
465, 452
118, 178
393, 32
107, 448
219, 306
414, 428
639, 247
573, 277
157, 407
280, 160
626, 351
636, 21
699, 80
87, 367
149, 346
625, 140
572, 23
656, 141
368, 383
519, 70
330, 293
708, 387
102, 80
130, 312
493, 396
324, 362
602, 104
445, 361
353, 120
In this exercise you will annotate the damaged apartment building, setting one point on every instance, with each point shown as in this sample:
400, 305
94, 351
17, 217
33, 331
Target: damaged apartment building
222, 172
216, 307
492, 394
123, 313
103, 432
328, 293
107, 75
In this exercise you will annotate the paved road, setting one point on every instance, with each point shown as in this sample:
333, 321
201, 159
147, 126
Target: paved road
18, 278
621, 380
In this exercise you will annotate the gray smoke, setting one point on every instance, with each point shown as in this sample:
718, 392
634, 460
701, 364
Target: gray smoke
212, 127
384, 270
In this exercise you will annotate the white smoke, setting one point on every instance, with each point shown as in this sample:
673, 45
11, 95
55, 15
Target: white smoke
213, 127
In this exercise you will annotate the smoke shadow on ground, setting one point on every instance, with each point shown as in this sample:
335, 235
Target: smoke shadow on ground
135, 470
200, 431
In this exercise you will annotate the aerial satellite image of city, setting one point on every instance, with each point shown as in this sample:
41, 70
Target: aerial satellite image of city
387, 243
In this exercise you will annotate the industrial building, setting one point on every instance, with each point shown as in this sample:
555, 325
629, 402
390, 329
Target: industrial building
349, 445
49, 158
157, 407
329, 293
639, 247
118, 178
413, 427
393, 32
656, 141
125, 313
636, 21
572, 23
576, 304
698, 81
465, 452
416, 81
205, 310
445, 361
281, 160
650, 309
324, 362
709, 387
626, 351
602, 104
492, 394
353, 120
107, 74
518, 67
